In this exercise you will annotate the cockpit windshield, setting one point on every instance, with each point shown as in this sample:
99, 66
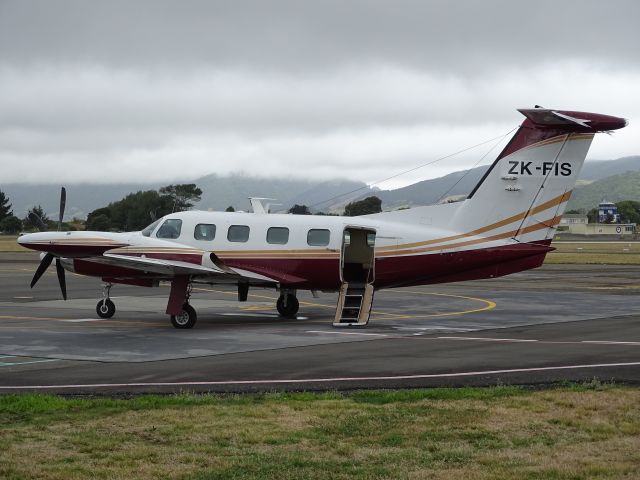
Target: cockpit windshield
147, 231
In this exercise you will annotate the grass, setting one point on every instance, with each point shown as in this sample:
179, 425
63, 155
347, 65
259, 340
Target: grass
573, 432
8, 243
611, 253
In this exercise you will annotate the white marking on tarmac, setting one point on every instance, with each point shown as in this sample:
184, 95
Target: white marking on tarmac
247, 314
322, 380
348, 333
79, 320
610, 342
438, 327
10, 364
7, 356
486, 339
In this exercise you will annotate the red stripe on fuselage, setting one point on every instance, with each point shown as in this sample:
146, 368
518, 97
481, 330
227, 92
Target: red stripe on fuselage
324, 274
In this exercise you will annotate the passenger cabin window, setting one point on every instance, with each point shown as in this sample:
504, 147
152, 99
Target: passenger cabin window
204, 231
318, 237
147, 231
238, 233
170, 228
278, 235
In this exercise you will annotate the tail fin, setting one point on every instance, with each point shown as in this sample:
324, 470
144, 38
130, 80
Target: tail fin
526, 189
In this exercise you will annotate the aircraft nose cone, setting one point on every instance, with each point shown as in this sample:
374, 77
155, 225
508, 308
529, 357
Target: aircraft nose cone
24, 240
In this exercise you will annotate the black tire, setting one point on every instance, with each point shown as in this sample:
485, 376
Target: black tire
187, 319
291, 307
105, 308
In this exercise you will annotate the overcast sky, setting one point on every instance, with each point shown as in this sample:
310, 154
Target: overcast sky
138, 91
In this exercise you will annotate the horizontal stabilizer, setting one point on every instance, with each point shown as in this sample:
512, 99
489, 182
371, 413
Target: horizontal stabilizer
572, 121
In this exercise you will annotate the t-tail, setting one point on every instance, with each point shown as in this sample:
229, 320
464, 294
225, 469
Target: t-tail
525, 191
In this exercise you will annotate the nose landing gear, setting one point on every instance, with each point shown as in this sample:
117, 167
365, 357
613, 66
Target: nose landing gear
105, 307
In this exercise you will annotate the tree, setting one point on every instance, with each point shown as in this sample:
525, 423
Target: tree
104, 212
5, 206
230, 209
593, 215
182, 196
99, 223
10, 224
299, 210
629, 211
40, 213
363, 207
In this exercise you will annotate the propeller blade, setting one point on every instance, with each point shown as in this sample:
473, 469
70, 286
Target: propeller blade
44, 264
63, 203
61, 279
37, 221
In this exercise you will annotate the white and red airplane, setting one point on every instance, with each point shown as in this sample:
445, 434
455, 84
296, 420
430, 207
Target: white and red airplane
504, 226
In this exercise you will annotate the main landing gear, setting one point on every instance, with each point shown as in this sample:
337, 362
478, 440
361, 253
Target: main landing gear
105, 307
187, 317
287, 303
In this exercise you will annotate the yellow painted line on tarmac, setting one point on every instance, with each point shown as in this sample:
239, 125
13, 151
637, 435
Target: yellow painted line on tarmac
488, 304
66, 320
13, 317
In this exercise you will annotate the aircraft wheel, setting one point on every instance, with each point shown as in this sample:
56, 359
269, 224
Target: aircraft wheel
105, 308
186, 319
287, 305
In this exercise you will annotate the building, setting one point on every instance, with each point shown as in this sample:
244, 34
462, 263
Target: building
573, 219
608, 213
614, 229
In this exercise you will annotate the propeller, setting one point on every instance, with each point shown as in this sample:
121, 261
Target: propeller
63, 203
48, 257
44, 264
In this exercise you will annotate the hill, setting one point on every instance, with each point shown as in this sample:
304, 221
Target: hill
596, 170
613, 189
220, 192
462, 182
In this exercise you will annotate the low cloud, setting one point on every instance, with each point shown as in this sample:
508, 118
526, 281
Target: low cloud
164, 91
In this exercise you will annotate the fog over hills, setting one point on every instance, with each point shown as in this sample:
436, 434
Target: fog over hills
220, 192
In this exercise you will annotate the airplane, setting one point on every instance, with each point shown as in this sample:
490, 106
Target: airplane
505, 225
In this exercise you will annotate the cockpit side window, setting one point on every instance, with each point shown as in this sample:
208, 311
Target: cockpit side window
147, 231
170, 228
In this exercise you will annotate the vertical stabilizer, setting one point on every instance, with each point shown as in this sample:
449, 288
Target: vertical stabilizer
526, 190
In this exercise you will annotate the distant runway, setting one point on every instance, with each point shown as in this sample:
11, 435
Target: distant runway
551, 324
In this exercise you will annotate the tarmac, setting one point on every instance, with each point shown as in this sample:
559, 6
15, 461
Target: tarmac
554, 324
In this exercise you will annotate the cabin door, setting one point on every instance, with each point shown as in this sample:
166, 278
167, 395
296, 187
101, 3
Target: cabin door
357, 273
357, 259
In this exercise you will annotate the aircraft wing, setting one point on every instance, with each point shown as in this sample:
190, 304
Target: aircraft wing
162, 267
171, 268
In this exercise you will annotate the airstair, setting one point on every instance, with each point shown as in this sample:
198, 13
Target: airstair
354, 305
